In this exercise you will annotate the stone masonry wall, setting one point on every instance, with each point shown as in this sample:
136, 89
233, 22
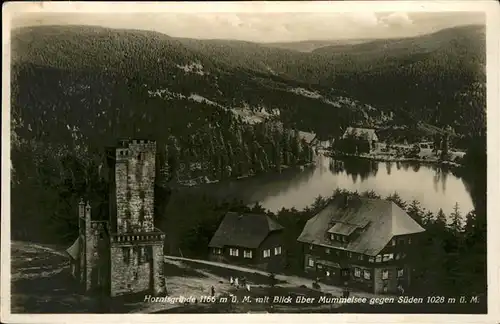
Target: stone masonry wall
132, 271
122, 214
135, 175
136, 265
95, 258
90, 250
159, 286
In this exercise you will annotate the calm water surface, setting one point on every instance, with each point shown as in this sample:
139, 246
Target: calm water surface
432, 186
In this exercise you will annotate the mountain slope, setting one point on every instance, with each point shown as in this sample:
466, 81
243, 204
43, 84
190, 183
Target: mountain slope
184, 68
312, 45
430, 78
218, 109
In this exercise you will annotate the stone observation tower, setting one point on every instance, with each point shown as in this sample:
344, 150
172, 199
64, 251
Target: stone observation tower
125, 254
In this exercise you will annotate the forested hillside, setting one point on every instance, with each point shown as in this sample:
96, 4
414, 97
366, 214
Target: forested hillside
217, 109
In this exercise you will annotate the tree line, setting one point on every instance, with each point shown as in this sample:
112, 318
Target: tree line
452, 259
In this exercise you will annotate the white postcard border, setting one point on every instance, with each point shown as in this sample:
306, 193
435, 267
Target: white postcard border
492, 10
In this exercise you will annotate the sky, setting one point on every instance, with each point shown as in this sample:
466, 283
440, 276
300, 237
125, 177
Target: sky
266, 27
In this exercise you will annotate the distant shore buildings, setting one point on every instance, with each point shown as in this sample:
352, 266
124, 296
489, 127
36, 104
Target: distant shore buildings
359, 140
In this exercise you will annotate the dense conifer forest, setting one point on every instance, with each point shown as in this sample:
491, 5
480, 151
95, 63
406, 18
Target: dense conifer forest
227, 109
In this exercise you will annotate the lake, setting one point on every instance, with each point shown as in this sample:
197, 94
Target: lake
433, 186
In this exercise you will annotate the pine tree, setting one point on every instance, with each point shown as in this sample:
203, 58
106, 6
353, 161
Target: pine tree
415, 211
428, 218
456, 224
470, 220
440, 219
395, 198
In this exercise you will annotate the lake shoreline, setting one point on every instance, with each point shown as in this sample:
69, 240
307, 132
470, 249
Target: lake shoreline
299, 186
203, 180
395, 159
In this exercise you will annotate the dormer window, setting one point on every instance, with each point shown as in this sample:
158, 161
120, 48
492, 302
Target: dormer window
339, 238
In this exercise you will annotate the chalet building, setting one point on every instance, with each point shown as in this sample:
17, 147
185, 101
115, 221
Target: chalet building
363, 137
363, 243
123, 254
309, 138
253, 240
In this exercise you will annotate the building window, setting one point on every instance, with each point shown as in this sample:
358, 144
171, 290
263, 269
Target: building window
378, 258
409, 240
400, 273
126, 254
398, 256
327, 251
142, 255
393, 242
277, 250
371, 259
332, 237
357, 272
344, 239
310, 262
267, 253
388, 257
349, 255
310, 247
385, 274
360, 257
217, 251
247, 254
327, 273
367, 274
234, 252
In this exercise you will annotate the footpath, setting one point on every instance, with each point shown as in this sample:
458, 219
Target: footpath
290, 280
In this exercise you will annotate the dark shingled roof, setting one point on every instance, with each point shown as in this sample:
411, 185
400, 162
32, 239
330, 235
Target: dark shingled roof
381, 220
243, 230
